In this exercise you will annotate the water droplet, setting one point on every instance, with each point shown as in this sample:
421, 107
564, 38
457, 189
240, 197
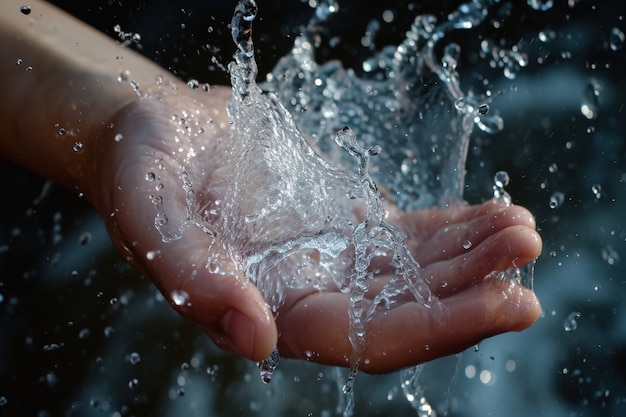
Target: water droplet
267, 366
29, 69
501, 179
133, 383
84, 333
19, 61
467, 244
489, 123
25, 10
553, 168
610, 255
483, 109
179, 297
193, 84
556, 199
108, 331
541, 5
616, 39
61, 132
150, 176
77, 147
571, 322
118, 137
591, 99
150, 255
84, 238
134, 358
460, 104
3, 401
596, 189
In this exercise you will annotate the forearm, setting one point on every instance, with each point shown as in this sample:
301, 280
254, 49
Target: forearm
60, 88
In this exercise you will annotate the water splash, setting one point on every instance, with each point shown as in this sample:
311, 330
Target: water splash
298, 207
291, 218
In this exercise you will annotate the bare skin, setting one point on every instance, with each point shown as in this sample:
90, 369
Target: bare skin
74, 85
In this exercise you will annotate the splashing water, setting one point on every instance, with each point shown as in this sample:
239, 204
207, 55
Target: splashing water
291, 218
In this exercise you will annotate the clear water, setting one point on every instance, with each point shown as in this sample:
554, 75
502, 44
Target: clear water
294, 195
76, 313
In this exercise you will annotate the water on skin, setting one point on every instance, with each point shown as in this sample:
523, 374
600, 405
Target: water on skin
292, 218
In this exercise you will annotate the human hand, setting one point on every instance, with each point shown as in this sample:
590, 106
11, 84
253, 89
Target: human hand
134, 151
474, 304
312, 324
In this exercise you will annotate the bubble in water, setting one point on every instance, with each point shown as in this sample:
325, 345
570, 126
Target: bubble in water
556, 199
179, 297
616, 39
571, 322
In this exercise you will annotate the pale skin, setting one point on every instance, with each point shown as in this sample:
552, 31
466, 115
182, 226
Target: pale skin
74, 85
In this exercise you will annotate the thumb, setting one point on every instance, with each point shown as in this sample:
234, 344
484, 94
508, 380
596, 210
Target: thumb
229, 308
213, 294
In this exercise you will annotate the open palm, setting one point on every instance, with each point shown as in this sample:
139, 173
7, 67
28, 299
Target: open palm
154, 149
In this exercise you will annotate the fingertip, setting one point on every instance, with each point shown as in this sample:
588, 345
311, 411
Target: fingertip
251, 335
528, 310
528, 243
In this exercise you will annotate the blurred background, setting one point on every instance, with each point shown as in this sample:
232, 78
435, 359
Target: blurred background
82, 333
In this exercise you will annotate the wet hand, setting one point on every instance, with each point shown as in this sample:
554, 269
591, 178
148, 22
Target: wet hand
461, 249
456, 247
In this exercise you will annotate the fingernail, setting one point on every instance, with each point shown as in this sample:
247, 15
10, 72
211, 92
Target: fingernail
240, 331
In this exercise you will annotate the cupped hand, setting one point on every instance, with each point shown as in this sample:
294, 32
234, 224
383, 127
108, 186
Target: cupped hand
155, 149
461, 251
